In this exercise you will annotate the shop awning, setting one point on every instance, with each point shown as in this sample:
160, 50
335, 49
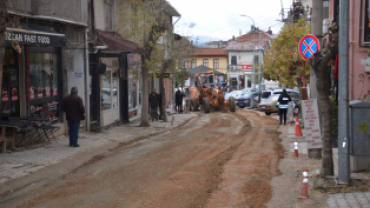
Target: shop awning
116, 44
204, 70
34, 34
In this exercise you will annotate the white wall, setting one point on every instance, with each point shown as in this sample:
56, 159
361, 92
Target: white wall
77, 80
99, 12
243, 57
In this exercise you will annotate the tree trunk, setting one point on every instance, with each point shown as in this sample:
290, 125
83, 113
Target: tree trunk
323, 88
145, 94
3, 13
162, 90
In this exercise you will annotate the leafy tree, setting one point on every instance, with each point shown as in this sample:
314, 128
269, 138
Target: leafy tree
283, 61
146, 24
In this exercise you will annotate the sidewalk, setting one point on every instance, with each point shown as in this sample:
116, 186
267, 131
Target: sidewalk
19, 164
286, 188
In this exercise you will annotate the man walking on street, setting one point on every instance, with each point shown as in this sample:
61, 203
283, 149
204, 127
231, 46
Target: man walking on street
153, 102
75, 111
282, 102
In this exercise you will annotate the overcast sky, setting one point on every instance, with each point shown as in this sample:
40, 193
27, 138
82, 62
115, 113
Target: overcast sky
220, 19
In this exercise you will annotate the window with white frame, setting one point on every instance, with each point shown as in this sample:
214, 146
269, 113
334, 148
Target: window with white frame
205, 62
187, 64
108, 14
215, 63
193, 63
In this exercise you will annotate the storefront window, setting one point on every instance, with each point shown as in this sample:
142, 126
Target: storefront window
43, 79
10, 85
106, 99
115, 90
42, 82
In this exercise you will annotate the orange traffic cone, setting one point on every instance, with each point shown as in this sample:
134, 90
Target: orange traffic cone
304, 192
298, 131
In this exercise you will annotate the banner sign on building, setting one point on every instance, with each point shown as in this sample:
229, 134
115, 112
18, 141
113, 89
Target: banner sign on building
312, 124
247, 67
35, 39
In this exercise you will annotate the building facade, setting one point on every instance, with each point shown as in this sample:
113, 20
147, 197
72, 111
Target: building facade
359, 39
214, 58
242, 52
115, 62
44, 58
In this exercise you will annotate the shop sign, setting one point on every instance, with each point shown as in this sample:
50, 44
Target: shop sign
247, 67
78, 74
34, 39
312, 124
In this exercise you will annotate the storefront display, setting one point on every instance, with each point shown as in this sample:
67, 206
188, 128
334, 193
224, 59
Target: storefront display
42, 82
10, 85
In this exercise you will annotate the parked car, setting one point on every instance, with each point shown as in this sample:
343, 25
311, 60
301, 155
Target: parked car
244, 100
269, 106
294, 95
233, 94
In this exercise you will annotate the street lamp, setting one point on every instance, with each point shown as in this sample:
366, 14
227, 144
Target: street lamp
254, 68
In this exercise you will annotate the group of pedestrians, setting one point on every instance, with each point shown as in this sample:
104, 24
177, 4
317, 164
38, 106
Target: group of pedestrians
75, 111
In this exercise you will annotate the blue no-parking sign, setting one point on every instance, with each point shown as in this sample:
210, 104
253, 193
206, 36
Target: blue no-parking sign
308, 46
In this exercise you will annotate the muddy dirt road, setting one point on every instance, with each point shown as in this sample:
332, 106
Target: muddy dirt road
215, 160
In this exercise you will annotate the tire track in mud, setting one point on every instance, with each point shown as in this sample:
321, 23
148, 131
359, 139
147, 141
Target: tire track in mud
245, 181
164, 171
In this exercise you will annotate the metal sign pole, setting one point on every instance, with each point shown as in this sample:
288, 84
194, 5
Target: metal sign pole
343, 98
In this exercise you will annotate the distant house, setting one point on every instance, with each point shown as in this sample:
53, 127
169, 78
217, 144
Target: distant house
216, 44
214, 58
242, 51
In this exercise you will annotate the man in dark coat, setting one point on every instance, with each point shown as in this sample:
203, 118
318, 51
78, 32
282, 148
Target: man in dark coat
75, 111
153, 103
283, 102
179, 97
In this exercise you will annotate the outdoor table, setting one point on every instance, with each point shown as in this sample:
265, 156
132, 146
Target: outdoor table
4, 125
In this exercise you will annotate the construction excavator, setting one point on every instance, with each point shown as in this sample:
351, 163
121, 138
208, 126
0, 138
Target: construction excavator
209, 97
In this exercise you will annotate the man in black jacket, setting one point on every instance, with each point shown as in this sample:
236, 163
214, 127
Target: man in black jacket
179, 97
283, 102
153, 102
75, 111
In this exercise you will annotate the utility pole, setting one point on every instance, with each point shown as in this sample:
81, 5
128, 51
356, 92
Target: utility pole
343, 98
259, 63
316, 30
